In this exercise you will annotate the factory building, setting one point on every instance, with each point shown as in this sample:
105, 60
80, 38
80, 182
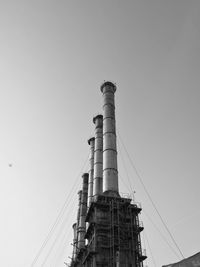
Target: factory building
107, 229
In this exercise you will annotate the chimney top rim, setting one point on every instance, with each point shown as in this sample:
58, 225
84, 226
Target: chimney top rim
99, 116
108, 83
85, 174
90, 140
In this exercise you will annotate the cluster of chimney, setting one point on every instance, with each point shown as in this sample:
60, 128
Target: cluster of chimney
103, 174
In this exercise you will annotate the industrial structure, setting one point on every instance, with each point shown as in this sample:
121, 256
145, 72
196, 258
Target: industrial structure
107, 229
192, 261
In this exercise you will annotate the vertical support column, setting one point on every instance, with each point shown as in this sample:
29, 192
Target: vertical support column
91, 171
98, 156
110, 173
77, 224
83, 212
74, 253
79, 206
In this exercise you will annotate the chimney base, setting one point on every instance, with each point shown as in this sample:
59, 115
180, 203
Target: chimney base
111, 193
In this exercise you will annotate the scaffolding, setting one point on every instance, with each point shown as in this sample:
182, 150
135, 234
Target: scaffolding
113, 234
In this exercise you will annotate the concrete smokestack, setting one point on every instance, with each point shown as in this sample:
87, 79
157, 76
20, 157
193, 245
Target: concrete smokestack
98, 156
110, 173
83, 212
91, 171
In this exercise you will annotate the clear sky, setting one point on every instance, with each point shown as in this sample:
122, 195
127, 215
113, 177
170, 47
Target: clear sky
54, 55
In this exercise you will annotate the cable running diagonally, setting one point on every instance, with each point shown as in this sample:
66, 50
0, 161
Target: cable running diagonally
163, 237
60, 214
64, 223
124, 165
65, 237
60, 250
153, 259
153, 204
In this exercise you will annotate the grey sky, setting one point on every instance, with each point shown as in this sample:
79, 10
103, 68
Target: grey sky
54, 57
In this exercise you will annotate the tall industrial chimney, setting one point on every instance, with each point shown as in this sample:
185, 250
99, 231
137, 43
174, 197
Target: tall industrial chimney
98, 156
74, 253
79, 207
108, 232
83, 212
91, 171
76, 225
110, 173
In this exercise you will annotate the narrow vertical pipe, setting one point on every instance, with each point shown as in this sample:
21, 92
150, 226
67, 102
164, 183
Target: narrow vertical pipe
110, 173
79, 208
91, 142
74, 253
98, 156
77, 224
83, 212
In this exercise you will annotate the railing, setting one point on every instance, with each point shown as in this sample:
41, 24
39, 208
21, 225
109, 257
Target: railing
127, 195
132, 197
